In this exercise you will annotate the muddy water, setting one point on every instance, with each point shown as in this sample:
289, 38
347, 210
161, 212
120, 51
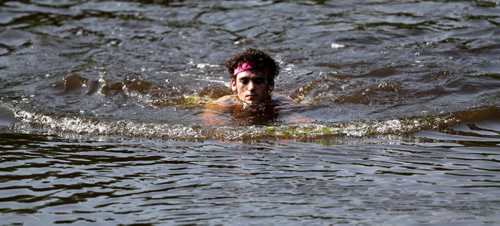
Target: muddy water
101, 101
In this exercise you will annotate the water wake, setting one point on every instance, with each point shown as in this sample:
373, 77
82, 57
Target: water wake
91, 126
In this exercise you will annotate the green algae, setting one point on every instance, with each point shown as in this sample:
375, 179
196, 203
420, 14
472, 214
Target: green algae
183, 101
299, 131
191, 100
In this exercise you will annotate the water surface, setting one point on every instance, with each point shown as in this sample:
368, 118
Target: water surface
101, 102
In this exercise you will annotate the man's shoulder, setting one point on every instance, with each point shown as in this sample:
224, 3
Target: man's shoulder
227, 100
231, 100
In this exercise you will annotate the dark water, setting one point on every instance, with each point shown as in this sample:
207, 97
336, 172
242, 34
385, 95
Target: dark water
101, 102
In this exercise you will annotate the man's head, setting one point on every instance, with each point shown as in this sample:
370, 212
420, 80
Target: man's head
252, 75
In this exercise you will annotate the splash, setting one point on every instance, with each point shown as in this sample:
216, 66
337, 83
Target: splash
91, 126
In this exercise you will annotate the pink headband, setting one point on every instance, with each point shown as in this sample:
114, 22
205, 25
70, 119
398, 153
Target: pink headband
243, 67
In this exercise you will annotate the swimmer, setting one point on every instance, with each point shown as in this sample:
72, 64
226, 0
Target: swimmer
252, 75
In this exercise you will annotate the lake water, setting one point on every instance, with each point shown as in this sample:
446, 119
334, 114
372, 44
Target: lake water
101, 102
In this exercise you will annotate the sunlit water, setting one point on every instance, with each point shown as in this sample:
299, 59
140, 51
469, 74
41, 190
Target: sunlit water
101, 102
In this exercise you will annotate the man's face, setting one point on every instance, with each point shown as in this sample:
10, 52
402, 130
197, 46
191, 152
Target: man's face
252, 87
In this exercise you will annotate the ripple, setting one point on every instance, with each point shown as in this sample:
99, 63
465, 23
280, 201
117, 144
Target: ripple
157, 181
14, 38
101, 100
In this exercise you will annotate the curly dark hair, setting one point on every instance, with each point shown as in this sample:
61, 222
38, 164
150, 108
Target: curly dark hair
259, 61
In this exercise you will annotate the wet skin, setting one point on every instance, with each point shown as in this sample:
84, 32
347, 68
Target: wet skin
251, 103
252, 87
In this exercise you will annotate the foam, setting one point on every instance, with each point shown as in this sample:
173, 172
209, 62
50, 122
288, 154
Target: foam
79, 124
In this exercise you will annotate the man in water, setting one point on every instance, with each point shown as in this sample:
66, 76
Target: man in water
252, 75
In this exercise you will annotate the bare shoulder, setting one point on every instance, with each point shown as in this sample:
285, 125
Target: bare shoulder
213, 113
225, 100
223, 103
